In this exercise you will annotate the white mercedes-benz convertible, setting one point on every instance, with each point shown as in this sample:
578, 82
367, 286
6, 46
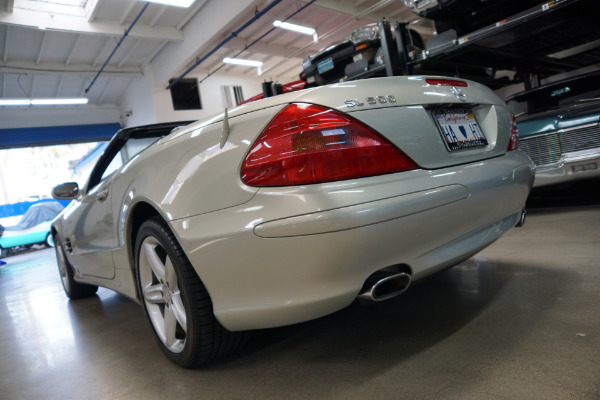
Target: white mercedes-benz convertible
292, 207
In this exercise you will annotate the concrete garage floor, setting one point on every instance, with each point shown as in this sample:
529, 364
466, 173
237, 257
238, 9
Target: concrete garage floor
521, 320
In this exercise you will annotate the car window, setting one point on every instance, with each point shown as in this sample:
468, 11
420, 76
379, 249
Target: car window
131, 148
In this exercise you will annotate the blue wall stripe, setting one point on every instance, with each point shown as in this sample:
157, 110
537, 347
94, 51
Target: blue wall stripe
48, 135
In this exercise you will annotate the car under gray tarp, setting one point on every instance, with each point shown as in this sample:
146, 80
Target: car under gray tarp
37, 214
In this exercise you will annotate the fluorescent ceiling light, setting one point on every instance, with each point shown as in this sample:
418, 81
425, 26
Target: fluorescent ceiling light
293, 27
72, 3
176, 3
42, 102
58, 102
240, 61
15, 102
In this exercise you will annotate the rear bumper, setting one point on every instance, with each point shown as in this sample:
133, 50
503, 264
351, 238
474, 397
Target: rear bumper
294, 254
572, 166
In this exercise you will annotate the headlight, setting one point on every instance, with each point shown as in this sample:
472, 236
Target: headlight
365, 33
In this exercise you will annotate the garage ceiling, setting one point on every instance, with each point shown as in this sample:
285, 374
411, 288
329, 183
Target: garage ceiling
52, 50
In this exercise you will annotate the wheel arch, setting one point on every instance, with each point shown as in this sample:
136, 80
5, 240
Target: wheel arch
140, 212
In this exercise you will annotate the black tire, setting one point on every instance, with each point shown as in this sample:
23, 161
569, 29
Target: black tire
74, 290
1, 252
176, 302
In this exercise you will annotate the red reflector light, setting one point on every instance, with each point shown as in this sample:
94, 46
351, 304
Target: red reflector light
307, 143
513, 142
360, 47
446, 82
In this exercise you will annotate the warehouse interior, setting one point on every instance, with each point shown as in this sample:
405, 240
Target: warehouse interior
518, 320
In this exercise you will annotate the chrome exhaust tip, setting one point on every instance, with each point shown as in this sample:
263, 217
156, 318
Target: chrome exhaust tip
378, 288
522, 218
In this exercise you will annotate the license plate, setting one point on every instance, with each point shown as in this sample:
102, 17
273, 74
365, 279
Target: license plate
325, 65
460, 129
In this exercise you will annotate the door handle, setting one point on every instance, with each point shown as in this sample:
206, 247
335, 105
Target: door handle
101, 196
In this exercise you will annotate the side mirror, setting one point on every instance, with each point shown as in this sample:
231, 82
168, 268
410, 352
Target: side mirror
66, 191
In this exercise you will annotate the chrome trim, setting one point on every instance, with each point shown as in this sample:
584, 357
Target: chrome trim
386, 288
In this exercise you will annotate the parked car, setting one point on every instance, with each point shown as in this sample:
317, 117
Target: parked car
290, 208
465, 16
32, 228
559, 128
362, 53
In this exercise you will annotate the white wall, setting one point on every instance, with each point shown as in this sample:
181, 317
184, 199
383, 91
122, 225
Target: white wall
147, 106
37, 116
137, 103
211, 97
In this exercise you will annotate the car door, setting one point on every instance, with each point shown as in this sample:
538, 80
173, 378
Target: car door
91, 233
89, 224
92, 223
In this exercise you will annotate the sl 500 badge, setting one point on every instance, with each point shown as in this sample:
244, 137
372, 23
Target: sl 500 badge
370, 100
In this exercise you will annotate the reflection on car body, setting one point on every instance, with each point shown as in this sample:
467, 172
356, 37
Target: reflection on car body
289, 208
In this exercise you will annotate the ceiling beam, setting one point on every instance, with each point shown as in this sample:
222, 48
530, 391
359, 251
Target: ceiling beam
104, 91
72, 53
127, 12
42, 48
83, 86
69, 23
158, 16
57, 69
290, 70
92, 9
353, 9
6, 42
191, 13
101, 56
32, 93
129, 52
60, 83
239, 44
199, 37
154, 53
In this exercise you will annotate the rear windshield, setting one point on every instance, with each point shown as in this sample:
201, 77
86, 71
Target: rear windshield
556, 95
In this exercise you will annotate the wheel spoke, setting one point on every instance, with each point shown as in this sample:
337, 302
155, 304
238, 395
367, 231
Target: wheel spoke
156, 264
179, 310
161, 294
170, 276
153, 294
170, 327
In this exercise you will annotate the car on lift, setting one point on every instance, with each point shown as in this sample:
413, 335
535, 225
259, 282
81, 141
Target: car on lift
363, 53
465, 16
559, 128
33, 228
290, 208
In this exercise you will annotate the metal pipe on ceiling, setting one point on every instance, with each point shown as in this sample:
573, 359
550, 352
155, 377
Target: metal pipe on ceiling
117, 46
227, 39
257, 40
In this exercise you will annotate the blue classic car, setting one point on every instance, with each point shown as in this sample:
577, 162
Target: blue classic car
559, 128
33, 227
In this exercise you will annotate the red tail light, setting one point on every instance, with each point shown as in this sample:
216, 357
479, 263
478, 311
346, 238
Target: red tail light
513, 142
306, 143
446, 82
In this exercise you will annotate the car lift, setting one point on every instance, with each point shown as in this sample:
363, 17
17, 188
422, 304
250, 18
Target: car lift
523, 42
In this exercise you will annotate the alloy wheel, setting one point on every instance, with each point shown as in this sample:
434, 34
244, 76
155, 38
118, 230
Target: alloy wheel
161, 294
